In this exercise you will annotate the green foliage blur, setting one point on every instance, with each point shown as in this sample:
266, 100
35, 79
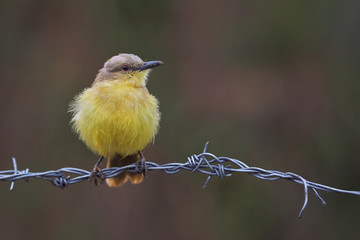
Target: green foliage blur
273, 83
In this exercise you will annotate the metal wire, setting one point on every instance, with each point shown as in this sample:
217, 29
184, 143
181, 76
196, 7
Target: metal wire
205, 162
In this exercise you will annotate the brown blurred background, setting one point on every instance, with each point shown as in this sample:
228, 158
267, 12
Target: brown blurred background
273, 83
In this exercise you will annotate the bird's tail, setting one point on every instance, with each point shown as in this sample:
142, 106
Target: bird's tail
120, 179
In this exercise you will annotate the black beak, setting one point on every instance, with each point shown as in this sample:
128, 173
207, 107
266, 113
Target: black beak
150, 64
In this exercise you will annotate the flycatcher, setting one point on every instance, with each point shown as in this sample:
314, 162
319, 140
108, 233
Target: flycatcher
117, 116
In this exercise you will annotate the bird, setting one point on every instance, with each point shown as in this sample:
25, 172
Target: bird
117, 117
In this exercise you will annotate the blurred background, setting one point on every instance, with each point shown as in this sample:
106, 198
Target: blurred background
273, 83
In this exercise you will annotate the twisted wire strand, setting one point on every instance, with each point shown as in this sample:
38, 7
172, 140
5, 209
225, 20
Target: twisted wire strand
205, 163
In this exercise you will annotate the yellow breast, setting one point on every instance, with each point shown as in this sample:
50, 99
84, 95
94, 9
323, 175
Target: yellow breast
115, 118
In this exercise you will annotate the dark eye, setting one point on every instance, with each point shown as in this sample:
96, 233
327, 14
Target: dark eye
125, 68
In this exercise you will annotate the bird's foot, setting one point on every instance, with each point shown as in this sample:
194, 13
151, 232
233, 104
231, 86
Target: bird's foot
96, 173
141, 167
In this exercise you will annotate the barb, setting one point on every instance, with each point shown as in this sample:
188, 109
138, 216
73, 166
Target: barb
205, 163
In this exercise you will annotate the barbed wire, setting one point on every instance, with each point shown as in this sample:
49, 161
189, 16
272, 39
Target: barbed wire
205, 163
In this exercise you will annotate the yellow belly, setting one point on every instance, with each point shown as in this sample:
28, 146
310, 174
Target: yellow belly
114, 118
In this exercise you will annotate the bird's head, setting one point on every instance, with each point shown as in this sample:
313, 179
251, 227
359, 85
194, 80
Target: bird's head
127, 68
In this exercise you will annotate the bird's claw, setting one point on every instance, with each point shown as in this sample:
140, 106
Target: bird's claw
140, 166
97, 173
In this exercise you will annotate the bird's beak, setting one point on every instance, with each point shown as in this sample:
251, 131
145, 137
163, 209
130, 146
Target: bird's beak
150, 64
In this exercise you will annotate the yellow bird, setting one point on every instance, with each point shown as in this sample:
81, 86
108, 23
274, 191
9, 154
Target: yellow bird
117, 116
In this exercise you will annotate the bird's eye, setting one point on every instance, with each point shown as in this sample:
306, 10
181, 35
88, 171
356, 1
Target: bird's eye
125, 68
